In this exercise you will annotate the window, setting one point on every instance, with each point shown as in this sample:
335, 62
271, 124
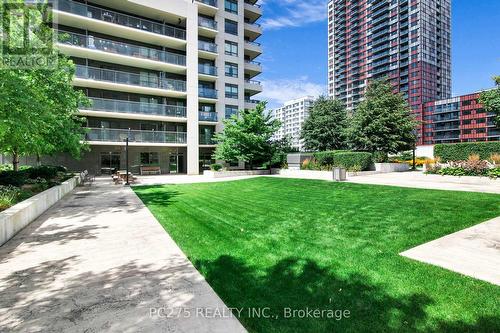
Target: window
150, 158
231, 6
231, 91
231, 110
231, 69
231, 48
231, 27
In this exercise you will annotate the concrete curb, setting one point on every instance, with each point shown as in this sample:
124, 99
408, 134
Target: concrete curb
15, 218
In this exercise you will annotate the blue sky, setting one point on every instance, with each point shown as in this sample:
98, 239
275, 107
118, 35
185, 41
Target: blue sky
295, 47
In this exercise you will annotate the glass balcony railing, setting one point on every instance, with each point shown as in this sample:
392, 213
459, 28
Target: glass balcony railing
207, 92
212, 3
120, 135
207, 69
110, 46
207, 23
108, 75
206, 140
207, 46
207, 116
113, 105
110, 16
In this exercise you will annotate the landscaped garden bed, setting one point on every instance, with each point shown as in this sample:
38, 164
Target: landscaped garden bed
279, 244
16, 186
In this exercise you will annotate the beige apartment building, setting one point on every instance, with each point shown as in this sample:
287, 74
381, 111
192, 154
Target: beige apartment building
163, 74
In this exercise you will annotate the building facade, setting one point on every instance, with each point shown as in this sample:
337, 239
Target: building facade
292, 115
163, 74
408, 41
458, 119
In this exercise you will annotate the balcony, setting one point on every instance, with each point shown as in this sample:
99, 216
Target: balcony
208, 93
107, 50
136, 110
252, 49
207, 7
206, 140
109, 22
253, 11
252, 68
207, 70
135, 136
252, 31
101, 78
251, 104
208, 27
207, 116
252, 86
208, 49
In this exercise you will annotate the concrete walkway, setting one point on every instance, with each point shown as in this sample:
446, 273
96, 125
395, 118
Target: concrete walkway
420, 180
474, 251
99, 261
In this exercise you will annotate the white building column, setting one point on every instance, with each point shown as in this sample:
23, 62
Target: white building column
193, 150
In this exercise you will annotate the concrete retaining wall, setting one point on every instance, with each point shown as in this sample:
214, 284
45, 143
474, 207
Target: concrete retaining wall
15, 218
223, 174
391, 167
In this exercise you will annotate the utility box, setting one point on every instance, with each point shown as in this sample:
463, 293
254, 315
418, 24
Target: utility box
339, 174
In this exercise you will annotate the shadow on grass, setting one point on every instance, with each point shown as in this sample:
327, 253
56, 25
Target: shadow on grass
156, 195
299, 284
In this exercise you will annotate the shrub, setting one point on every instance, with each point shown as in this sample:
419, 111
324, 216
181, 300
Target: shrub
351, 159
216, 167
494, 173
8, 196
495, 158
462, 151
326, 157
13, 178
45, 171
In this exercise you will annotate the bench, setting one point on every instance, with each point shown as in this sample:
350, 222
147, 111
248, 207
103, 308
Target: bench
150, 170
87, 178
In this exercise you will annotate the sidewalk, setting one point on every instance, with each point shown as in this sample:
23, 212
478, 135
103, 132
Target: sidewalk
99, 261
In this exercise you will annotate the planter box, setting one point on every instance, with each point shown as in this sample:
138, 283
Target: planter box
294, 161
391, 167
15, 218
240, 173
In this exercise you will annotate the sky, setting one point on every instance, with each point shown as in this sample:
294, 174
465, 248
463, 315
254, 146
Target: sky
295, 47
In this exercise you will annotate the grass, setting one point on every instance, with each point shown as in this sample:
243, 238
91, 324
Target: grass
288, 243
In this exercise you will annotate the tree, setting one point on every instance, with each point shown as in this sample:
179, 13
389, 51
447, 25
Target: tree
491, 100
325, 128
280, 149
382, 123
247, 137
38, 109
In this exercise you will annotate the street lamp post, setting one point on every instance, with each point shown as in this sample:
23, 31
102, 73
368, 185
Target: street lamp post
126, 160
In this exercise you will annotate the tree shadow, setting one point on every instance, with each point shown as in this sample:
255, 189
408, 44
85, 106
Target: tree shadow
299, 284
156, 195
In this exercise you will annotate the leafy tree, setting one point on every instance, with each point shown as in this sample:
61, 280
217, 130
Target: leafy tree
38, 108
325, 128
382, 123
280, 150
247, 137
491, 100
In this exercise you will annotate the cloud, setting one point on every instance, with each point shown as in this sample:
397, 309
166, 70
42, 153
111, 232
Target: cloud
293, 13
276, 92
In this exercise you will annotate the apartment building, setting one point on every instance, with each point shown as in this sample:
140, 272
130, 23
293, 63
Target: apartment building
458, 119
292, 115
163, 74
408, 41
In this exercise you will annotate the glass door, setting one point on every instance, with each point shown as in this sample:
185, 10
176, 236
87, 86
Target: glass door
110, 162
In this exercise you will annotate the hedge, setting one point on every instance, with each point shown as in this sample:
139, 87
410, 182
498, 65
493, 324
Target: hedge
345, 159
462, 151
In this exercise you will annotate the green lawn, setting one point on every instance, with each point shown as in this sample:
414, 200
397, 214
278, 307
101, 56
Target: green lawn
288, 243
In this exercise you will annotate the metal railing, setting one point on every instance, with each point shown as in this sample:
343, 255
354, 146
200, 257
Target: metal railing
120, 135
207, 23
207, 116
120, 19
110, 46
212, 3
207, 69
253, 82
205, 140
207, 92
114, 105
108, 75
207, 46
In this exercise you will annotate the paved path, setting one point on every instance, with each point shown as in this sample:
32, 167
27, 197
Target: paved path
437, 182
474, 251
99, 261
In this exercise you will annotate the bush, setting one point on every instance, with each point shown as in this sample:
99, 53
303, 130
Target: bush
462, 151
13, 178
326, 157
349, 160
494, 173
45, 171
8, 196
215, 167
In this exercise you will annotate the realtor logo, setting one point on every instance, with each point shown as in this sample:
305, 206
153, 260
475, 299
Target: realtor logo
27, 35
